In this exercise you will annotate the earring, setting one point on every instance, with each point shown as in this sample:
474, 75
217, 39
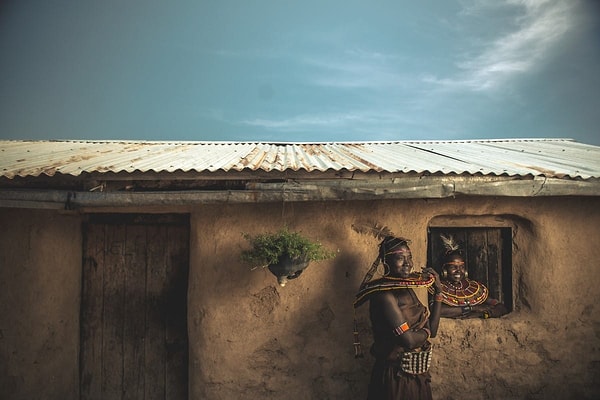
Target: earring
386, 269
466, 274
444, 273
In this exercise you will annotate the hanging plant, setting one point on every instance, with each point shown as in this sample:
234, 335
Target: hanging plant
285, 253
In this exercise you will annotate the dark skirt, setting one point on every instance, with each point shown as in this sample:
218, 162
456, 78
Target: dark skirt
388, 382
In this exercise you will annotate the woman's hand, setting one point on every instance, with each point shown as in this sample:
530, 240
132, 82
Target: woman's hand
436, 284
498, 310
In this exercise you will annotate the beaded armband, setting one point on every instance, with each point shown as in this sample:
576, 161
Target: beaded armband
399, 330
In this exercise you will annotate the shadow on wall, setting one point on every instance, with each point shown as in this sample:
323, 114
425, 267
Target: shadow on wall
317, 359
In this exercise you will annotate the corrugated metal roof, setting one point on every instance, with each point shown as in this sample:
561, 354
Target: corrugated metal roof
556, 158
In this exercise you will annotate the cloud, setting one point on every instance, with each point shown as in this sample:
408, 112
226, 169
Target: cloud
355, 68
360, 124
388, 87
338, 73
539, 25
306, 121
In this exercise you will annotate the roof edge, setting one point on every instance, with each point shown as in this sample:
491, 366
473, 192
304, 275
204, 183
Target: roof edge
267, 142
424, 187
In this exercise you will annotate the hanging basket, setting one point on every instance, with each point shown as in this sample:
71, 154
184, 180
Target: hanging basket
285, 253
288, 268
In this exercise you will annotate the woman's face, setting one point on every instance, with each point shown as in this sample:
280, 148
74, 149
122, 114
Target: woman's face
455, 268
400, 262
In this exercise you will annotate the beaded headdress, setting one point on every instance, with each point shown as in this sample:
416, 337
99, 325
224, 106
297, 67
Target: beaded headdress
450, 244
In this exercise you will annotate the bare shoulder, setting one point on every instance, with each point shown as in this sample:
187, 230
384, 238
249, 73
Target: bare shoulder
400, 296
382, 297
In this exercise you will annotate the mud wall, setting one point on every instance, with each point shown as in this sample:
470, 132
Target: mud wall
40, 269
251, 339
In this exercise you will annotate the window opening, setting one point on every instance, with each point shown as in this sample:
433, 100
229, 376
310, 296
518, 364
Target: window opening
488, 254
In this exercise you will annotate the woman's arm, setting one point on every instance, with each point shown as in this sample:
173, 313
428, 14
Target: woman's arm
436, 306
434, 318
490, 309
458, 312
404, 335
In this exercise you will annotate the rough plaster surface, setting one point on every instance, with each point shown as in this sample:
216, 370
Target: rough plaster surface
251, 339
40, 268
257, 340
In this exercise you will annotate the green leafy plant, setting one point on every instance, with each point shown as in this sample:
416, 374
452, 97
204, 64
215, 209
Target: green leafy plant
269, 248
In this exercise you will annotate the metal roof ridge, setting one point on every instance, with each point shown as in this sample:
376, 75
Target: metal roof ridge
247, 142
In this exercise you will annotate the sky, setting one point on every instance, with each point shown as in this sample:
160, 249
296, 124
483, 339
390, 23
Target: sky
300, 71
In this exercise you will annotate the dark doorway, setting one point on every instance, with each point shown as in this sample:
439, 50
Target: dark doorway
134, 341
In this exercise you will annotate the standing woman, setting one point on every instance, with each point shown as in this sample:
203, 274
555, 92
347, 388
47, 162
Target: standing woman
401, 324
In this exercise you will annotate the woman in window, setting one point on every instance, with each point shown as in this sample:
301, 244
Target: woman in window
463, 297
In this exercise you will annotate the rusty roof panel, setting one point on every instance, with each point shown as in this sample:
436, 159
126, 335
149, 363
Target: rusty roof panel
557, 158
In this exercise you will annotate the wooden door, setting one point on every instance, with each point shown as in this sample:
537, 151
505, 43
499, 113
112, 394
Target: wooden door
134, 307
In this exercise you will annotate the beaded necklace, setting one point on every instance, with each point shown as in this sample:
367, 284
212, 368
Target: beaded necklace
472, 294
415, 280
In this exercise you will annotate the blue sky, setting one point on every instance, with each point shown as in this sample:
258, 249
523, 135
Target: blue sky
310, 71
